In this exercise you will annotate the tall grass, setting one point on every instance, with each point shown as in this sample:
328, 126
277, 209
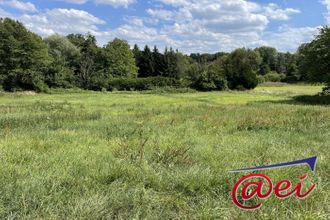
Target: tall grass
157, 156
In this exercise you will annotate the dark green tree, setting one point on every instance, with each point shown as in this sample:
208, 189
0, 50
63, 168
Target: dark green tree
87, 66
182, 65
23, 57
268, 59
146, 65
206, 57
241, 69
137, 54
158, 62
314, 58
281, 65
171, 62
207, 78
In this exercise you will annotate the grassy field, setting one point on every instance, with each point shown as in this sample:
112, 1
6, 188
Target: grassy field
132, 155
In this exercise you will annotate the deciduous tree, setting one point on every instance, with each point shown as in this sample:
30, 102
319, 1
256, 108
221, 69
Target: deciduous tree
23, 57
121, 62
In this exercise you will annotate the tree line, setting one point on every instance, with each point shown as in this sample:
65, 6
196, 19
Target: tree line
28, 62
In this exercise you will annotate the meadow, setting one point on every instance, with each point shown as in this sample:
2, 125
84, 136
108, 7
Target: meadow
158, 155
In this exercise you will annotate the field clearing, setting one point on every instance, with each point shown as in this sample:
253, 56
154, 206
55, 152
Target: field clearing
131, 155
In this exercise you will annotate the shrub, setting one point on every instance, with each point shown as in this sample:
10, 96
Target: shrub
210, 81
98, 82
40, 86
325, 91
241, 68
20, 80
261, 79
129, 84
292, 78
249, 80
274, 77
58, 76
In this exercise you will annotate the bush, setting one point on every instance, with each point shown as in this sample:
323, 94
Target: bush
98, 82
19, 80
325, 91
261, 79
131, 84
210, 81
249, 80
292, 78
244, 80
40, 86
170, 90
274, 77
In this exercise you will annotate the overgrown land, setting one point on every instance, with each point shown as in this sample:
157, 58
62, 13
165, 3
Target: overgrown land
155, 155
114, 132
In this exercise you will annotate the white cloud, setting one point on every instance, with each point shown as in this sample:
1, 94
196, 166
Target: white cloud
62, 21
175, 2
223, 16
23, 6
327, 15
76, 1
217, 16
288, 38
136, 32
160, 14
115, 3
274, 12
190, 25
214, 25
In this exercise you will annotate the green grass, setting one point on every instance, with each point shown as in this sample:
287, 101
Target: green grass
136, 155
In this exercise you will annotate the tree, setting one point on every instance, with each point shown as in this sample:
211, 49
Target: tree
23, 57
182, 65
146, 66
206, 58
207, 78
62, 47
241, 69
170, 60
158, 62
268, 59
120, 59
77, 39
86, 66
314, 58
137, 55
281, 65
61, 71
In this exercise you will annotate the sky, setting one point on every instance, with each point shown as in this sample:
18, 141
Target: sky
191, 26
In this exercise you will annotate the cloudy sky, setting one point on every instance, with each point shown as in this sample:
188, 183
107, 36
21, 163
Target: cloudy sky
188, 25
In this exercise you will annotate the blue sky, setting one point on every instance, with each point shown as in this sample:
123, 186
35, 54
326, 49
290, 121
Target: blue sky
188, 25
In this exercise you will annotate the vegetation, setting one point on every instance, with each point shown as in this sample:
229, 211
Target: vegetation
70, 153
139, 84
23, 58
315, 58
28, 62
120, 60
119, 155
